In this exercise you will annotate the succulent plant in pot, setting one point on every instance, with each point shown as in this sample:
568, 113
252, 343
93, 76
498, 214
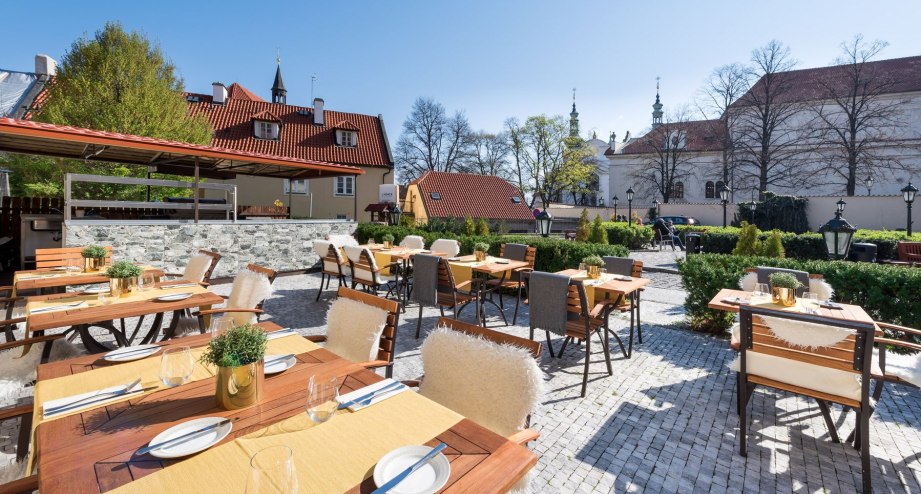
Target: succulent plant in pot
479, 250
593, 265
123, 275
783, 288
238, 355
387, 238
94, 257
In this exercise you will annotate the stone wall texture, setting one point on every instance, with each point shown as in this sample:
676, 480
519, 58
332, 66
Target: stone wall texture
280, 245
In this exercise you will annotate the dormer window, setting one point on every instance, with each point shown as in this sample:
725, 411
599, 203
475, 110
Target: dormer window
266, 130
347, 138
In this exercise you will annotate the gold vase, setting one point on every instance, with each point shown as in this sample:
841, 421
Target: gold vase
239, 387
594, 272
388, 244
783, 296
122, 286
480, 255
91, 264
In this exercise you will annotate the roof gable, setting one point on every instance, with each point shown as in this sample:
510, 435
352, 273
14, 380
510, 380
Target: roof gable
700, 135
467, 194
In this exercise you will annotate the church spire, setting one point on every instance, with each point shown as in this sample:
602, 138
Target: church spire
574, 117
278, 87
657, 108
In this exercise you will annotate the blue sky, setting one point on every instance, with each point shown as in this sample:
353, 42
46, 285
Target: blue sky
491, 59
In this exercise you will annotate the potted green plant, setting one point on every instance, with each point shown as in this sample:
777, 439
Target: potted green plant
783, 288
593, 265
388, 240
123, 275
238, 355
94, 258
479, 251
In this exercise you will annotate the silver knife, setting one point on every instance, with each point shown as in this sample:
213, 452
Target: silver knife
56, 307
184, 437
386, 389
93, 399
412, 468
137, 350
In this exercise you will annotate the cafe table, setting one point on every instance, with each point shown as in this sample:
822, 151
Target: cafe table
94, 312
385, 257
612, 287
467, 268
56, 278
95, 450
729, 299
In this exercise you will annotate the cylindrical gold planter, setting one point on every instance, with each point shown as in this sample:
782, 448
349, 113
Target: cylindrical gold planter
480, 255
388, 244
784, 296
91, 264
122, 286
594, 272
239, 387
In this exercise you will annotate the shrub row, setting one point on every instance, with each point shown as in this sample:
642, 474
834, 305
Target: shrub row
888, 293
553, 254
630, 236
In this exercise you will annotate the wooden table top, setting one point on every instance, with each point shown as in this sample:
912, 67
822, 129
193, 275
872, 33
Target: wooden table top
491, 268
94, 451
61, 278
847, 311
116, 310
613, 286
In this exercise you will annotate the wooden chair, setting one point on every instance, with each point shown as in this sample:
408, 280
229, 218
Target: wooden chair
826, 374
662, 240
334, 265
67, 256
202, 315
513, 281
909, 252
206, 279
388, 341
367, 273
448, 294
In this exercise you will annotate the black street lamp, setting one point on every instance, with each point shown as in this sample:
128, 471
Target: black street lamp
724, 198
753, 206
656, 204
614, 203
630, 205
841, 205
544, 221
908, 193
394, 215
838, 233
868, 182
601, 202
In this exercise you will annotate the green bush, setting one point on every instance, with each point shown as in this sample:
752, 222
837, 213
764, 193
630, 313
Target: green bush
469, 226
598, 234
888, 293
630, 236
748, 243
773, 246
482, 228
583, 231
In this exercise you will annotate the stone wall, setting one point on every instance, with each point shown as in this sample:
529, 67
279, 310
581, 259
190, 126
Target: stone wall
283, 245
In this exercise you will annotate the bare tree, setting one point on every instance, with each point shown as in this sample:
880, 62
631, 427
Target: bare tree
489, 155
858, 114
431, 140
771, 142
724, 86
519, 166
669, 155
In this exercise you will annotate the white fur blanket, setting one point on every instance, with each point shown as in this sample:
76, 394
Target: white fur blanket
249, 289
197, 267
354, 329
905, 367
806, 334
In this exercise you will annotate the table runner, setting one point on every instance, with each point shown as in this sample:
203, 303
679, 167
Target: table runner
462, 270
93, 299
331, 457
46, 274
589, 284
383, 257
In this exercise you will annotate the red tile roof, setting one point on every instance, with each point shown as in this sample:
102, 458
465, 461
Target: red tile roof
346, 125
300, 138
701, 136
267, 116
466, 194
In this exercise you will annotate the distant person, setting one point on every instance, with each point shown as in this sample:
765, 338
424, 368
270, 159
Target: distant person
638, 221
673, 233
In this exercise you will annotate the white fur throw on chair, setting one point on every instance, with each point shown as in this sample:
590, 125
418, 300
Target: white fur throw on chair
446, 246
413, 242
342, 240
818, 286
354, 329
197, 267
249, 289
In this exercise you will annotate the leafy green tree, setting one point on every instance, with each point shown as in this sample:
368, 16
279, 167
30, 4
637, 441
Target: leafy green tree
599, 234
469, 226
748, 243
114, 81
482, 227
582, 231
773, 246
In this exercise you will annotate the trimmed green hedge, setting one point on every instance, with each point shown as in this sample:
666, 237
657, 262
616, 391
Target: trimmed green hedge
719, 240
888, 293
631, 236
553, 254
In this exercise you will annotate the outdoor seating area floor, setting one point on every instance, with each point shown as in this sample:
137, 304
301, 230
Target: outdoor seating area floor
665, 421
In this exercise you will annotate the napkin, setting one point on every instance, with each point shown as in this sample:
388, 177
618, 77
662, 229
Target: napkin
734, 301
281, 333
180, 285
105, 395
368, 389
57, 308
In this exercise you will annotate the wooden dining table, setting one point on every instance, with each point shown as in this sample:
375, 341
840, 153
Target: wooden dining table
729, 299
479, 274
54, 278
95, 451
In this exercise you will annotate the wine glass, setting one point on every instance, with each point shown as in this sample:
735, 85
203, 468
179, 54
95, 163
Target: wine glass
582, 269
272, 470
322, 398
176, 366
145, 282
761, 291
811, 302
220, 324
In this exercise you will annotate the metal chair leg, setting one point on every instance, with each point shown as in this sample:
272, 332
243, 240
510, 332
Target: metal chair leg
419, 322
320, 289
832, 431
588, 354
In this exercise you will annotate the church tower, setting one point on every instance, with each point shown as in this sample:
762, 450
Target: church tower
657, 108
278, 87
574, 117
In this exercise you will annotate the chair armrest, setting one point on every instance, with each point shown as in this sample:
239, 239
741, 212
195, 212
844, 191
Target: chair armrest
4, 300
15, 320
412, 383
25, 484
220, 311
225, 297
172, 275
892, 327
30, 341
524, 437
374, 364
523, 270
316, 338
898, 343
462, 285
16, 411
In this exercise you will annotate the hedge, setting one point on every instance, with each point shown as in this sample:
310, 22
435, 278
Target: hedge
719, 240
888, 293
631, 236
553, 254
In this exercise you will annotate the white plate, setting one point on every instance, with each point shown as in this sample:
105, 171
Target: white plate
174, 297
454, 258
278, 363
427, 479
97, 289
502, 261
194, 444
623, 278
129, 353
61, 268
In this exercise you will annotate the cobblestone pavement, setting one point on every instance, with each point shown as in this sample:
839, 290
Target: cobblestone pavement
665, 420
665, 259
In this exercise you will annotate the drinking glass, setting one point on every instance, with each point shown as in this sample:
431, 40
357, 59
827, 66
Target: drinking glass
272, 471
761, 291
106, 298
811, 302
145, 282
582, 267
321, 398
176, 366
221, 324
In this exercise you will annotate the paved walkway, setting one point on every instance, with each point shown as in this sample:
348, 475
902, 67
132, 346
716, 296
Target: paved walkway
664, 422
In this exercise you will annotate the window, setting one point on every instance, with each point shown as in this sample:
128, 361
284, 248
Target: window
516, 199
709, 190
347, 138
436, 196
296, 186
678, 192
341, 217
266, 130
344, 186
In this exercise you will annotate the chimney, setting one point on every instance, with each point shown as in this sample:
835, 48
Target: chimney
218, 93
627, 137
318, 117
45, 66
